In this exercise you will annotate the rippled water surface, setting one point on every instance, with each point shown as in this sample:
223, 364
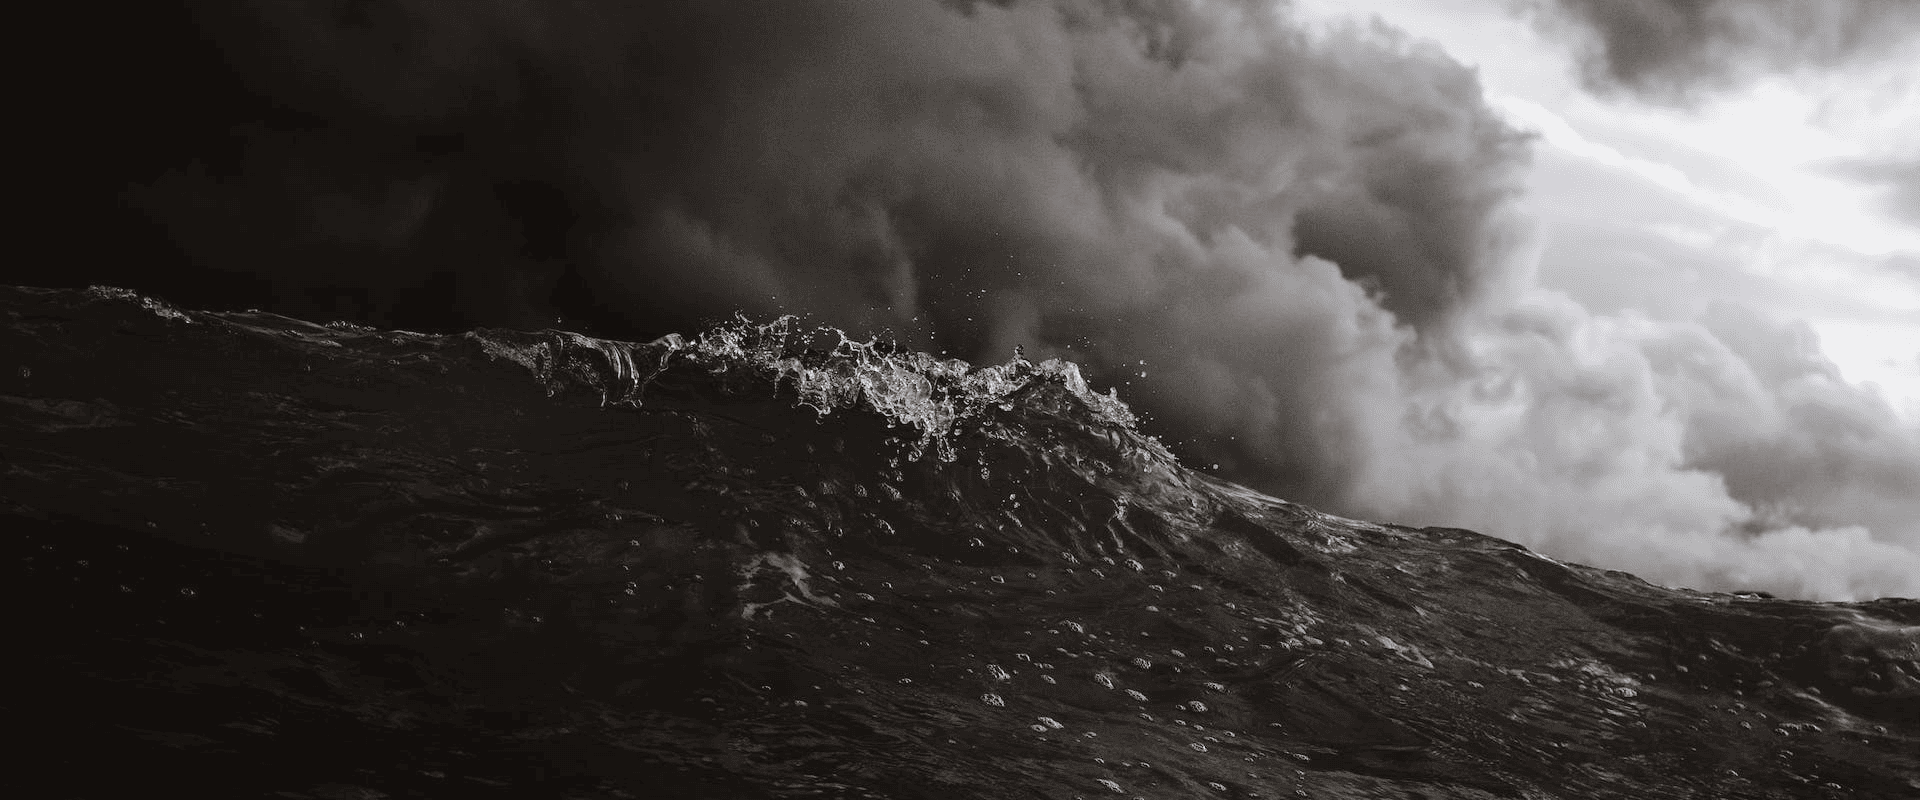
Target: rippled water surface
273, 558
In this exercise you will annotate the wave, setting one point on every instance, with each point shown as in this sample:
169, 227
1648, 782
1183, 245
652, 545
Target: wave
769, 561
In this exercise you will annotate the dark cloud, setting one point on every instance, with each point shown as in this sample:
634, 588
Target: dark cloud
1295, 251
1106, 180
1670, 49
1802, 442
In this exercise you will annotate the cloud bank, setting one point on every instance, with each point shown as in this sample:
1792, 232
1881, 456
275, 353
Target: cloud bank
1297, 252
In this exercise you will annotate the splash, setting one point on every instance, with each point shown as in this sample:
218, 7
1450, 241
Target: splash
824, 369
156, 307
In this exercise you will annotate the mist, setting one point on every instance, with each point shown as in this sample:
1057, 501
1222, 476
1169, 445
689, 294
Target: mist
1298, 253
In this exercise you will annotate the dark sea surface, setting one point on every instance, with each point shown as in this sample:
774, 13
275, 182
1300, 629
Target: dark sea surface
258, 557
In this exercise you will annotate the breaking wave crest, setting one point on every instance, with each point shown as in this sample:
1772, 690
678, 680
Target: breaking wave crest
823, 368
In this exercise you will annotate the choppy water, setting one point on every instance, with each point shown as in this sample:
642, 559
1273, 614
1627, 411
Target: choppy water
269, 556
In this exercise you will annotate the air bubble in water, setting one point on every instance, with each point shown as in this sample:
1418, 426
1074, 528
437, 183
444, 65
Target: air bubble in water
998, 673
1051, 723
1102, 679
993, 700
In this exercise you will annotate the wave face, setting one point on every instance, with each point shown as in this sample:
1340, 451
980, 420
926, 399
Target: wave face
330, 561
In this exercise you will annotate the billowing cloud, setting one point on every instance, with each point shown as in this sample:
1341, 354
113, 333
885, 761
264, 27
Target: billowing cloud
1723, 452
1297, 251
1670, 49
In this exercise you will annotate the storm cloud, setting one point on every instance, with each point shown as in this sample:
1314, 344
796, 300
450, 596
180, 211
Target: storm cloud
1296, 252
1672, 50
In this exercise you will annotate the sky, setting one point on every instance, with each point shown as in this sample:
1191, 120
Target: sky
1789, 187
1635, 284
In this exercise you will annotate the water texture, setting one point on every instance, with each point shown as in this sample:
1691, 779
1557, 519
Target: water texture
265, 557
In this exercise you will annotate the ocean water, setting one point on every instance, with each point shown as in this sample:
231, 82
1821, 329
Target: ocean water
264, 557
